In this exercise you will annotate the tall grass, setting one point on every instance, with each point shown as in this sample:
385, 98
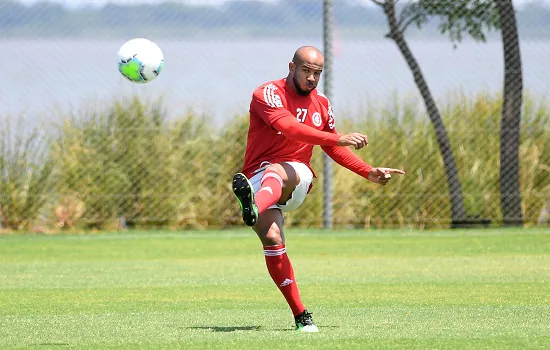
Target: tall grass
403, 137
128, 166
25, 173
124, 166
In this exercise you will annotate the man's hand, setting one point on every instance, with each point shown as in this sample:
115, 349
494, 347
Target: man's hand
354, 139
383, 175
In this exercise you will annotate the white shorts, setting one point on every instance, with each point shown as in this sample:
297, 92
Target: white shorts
298, 195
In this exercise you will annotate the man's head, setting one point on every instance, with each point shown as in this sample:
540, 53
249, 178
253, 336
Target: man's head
305, 69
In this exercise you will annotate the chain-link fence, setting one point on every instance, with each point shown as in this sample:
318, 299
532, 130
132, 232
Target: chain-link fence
81, 147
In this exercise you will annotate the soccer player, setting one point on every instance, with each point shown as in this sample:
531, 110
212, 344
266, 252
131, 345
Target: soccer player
287, 118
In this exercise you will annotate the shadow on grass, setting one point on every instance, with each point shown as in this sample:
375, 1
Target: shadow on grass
52, 344
246, 328
227, 329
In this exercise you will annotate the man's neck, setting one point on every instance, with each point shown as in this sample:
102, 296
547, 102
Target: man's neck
291, 85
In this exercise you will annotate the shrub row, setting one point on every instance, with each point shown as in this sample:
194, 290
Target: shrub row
130, 166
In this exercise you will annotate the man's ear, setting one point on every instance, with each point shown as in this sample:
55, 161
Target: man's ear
291, 66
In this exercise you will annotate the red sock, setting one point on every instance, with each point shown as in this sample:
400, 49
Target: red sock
270, 191
281, 272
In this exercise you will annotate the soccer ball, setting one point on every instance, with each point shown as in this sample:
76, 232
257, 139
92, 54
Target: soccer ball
140, 60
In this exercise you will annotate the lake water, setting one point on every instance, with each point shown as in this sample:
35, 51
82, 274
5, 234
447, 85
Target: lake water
42, 79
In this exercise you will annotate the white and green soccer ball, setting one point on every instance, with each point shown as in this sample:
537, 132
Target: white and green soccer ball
140, 60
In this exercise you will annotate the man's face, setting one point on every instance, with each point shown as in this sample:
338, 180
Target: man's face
306, 76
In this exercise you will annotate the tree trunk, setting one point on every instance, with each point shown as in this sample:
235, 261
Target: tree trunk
453, 182
510, 193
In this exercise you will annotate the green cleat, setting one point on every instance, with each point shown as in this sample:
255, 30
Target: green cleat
245, 195
304, 323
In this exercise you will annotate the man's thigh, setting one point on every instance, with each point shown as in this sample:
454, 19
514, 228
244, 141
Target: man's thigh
300, 191
301, 175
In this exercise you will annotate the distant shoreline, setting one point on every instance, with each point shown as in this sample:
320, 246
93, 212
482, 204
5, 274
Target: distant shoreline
235, 19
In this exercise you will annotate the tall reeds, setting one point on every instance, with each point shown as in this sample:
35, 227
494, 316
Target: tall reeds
130, 166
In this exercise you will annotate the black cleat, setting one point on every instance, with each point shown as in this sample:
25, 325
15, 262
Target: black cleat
245, 195
304, 323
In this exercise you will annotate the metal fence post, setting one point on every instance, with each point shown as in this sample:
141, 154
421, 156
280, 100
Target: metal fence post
327, 87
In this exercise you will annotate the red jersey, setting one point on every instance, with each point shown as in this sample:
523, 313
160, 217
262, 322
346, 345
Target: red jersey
272, 101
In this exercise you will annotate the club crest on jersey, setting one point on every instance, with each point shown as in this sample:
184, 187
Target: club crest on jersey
316, 119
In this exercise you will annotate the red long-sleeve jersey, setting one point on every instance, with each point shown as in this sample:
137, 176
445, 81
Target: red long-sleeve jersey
284, 126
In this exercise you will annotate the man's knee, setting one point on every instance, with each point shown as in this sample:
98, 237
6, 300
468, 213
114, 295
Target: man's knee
270, 236
270, 227
273, 236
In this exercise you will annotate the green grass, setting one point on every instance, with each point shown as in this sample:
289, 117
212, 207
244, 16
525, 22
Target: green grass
367, 289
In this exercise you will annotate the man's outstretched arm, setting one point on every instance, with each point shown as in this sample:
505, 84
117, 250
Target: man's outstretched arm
296, 131
346, 158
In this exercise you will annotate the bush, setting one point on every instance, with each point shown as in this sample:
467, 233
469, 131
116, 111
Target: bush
25, 173
129, 166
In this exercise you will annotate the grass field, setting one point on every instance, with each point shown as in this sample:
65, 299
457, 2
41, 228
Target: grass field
366, 289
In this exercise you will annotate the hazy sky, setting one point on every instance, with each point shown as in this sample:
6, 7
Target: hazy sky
77, 3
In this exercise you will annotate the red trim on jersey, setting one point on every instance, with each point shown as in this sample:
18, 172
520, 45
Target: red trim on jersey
346, 158
296, 131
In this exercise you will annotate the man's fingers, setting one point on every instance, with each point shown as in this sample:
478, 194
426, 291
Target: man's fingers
361, 140
397, 171
356, 140
383, 180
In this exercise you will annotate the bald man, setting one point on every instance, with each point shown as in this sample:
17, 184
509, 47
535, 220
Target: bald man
287, 118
